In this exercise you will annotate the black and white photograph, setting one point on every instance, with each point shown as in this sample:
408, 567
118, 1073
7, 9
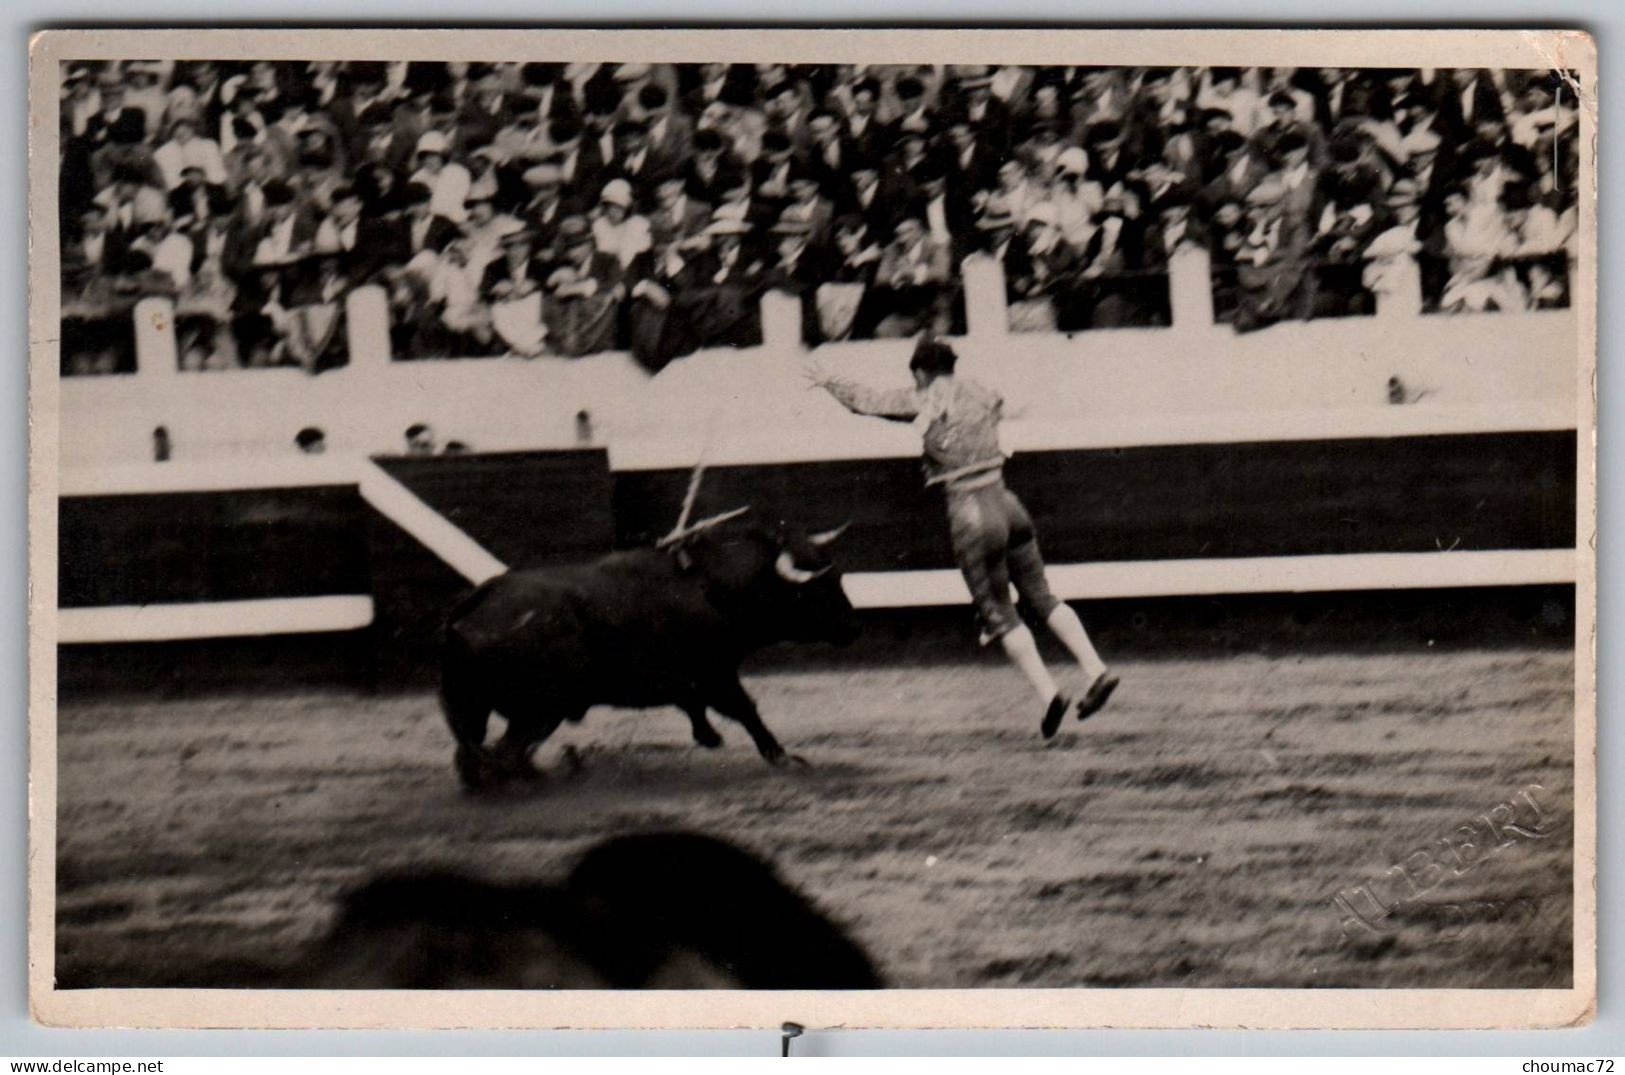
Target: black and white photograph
1100, 523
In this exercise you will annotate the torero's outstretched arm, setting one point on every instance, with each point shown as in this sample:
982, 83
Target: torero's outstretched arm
896, 404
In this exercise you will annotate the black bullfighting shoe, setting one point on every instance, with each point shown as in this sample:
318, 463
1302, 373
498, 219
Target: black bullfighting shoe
1099, 693
1054, 715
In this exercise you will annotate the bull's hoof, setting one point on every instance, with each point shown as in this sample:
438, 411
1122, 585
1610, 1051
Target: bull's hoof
521, 770
473, 769
505, 762
710, 739
781, 760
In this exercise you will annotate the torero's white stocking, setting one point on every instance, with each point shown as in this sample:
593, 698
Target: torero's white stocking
1022, 649
1069, 629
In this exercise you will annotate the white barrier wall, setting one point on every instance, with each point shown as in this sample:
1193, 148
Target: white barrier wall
1195, 381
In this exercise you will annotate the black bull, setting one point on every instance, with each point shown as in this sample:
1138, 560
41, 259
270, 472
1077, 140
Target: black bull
636, 629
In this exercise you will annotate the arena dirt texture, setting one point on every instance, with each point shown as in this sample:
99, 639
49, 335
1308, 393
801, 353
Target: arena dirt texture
1194, 834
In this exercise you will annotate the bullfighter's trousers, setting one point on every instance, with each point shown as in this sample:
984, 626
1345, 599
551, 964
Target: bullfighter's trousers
994, 545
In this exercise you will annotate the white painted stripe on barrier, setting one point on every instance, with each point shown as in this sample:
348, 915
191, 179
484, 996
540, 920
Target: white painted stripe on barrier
210, 476
213, 619
431, 529
895, 589
1255, 575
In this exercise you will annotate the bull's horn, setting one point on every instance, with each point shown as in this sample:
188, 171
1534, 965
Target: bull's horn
789, 571
825, 537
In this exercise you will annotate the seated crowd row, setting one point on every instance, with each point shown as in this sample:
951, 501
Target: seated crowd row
542, 208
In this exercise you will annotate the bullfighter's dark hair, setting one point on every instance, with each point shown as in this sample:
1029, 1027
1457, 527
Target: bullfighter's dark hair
933, 357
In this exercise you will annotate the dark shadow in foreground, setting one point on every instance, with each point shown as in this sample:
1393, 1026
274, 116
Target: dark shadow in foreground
652, 911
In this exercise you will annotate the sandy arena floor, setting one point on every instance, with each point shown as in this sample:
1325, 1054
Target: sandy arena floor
1192, 835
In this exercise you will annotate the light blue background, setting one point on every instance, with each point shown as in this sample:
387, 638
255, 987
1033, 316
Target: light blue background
21, 1038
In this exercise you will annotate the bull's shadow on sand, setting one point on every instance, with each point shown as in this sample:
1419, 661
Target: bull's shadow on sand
646, 768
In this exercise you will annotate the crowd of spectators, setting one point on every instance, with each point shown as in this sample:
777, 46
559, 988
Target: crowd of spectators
564, 209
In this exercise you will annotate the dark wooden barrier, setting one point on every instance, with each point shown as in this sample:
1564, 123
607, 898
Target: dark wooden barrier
1409, 494
525, 507
1177, 502
216, 546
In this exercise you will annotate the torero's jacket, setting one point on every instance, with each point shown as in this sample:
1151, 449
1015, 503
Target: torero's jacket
958, 417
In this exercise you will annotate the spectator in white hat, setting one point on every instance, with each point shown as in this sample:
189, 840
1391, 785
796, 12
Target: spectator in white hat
170, 251
185, 149
448, 181
1075, 199
617, 229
